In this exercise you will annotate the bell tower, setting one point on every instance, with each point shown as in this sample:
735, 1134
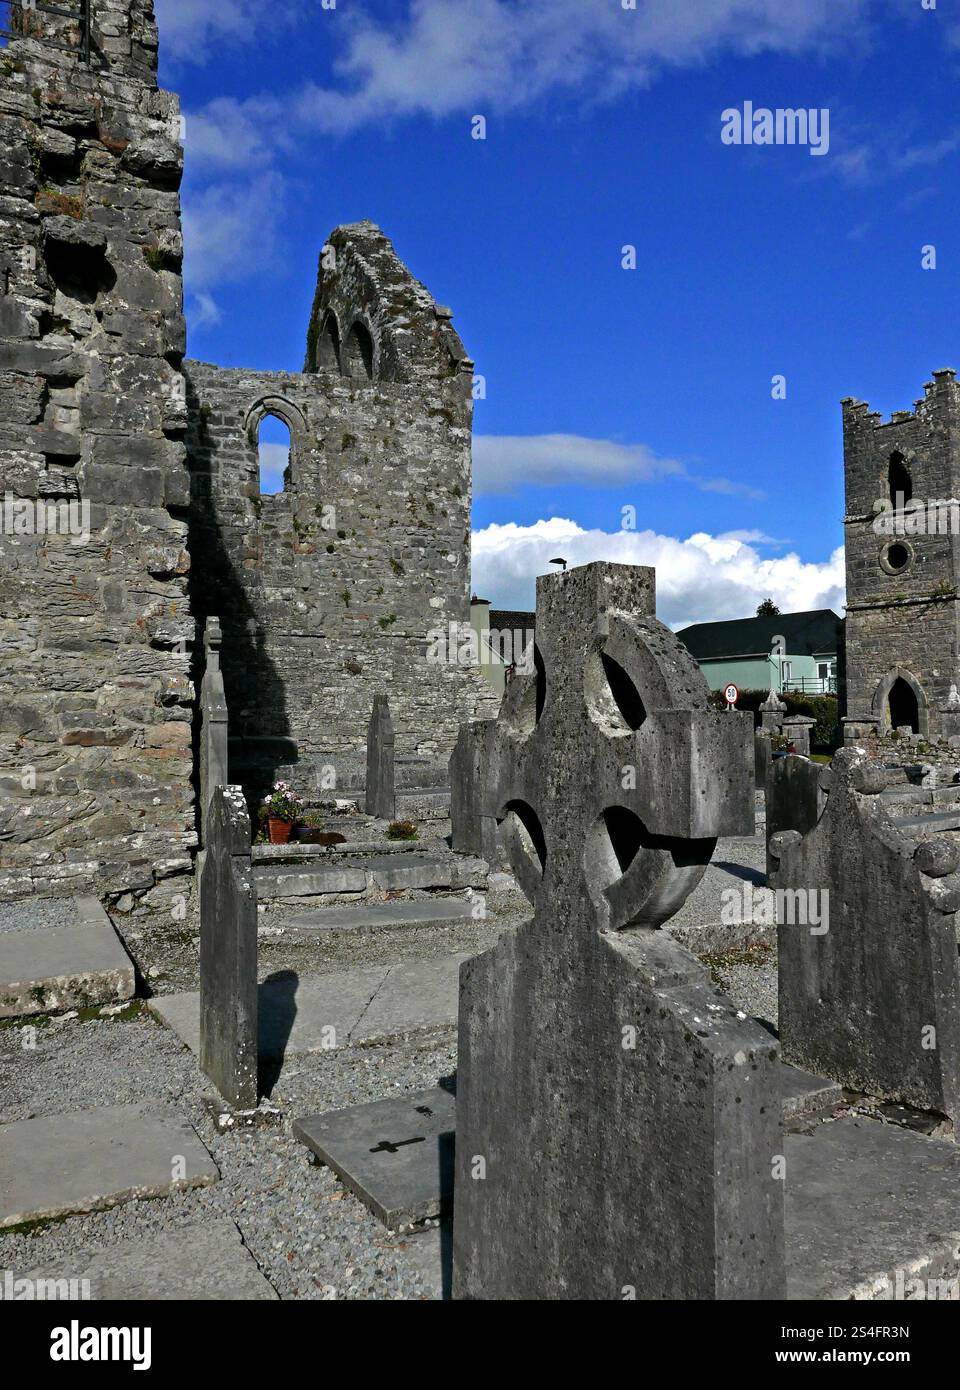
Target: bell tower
902, 528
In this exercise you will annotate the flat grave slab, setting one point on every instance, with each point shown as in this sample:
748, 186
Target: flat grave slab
359, 1006
58, 1164
375, 917
48, 968
864, 1201
198, 1263
396, 1155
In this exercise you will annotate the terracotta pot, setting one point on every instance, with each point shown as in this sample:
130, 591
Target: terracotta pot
279, 830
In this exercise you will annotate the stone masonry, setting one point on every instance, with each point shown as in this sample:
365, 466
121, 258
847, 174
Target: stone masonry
333, 588
903, 620
96, 700
326, 592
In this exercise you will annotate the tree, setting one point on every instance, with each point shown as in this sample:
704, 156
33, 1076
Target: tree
768, 609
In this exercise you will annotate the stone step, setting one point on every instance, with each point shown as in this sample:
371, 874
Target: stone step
376, 917
373, 874
56, 1165
44, 969
295, 852
202, 1262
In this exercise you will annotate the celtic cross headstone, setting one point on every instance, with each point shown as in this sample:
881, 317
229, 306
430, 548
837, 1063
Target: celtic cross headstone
618, 1128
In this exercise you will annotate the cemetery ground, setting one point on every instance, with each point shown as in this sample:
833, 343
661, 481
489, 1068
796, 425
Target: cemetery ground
308, 1236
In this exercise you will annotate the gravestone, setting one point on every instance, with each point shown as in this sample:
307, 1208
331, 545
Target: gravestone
214, 727
381, 800
772, 712
762, 757
796, 792
473, 832
798, 730
617, 1120
228, 953
873, 1001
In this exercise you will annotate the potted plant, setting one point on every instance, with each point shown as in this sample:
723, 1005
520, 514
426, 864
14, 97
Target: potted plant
281, 810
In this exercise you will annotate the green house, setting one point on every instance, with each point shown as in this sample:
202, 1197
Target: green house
789, 651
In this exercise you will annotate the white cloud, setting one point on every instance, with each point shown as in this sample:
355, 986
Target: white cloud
273, 463
230, 231
484, 56
699, 579
204, 311
442, 58
502, 462
194, 31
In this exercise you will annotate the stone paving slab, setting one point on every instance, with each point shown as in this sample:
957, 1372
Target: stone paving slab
375, 917
64, 967
324, 1012
865, 1200
396, 1155
198, 1263
58, 1164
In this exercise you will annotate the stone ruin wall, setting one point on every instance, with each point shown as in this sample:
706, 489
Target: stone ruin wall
904, 623
98, 641
329, 590
95, 690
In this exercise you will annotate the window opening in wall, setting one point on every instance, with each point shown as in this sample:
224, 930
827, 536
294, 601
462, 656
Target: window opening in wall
274, 442
901, 483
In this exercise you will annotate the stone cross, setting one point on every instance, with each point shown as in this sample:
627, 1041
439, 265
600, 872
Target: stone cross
214, 728
228, 953
381, 798
771, 713
617, 1119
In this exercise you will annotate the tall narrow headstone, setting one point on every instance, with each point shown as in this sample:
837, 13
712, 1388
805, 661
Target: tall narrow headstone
228, 953
870, 990
772, 712
617, 1120
381, 798
214, 728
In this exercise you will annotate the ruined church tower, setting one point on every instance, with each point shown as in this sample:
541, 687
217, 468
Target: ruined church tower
328, 591
903, 564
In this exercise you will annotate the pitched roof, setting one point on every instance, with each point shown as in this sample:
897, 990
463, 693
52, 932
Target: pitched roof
815, 633
511, 620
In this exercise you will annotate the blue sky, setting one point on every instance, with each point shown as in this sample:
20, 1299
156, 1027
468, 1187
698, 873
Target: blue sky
606, 387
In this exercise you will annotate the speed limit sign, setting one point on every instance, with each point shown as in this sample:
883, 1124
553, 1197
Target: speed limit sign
731, 694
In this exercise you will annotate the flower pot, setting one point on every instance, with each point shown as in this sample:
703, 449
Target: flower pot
279, 830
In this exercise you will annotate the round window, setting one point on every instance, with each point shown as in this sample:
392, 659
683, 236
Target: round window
896, 557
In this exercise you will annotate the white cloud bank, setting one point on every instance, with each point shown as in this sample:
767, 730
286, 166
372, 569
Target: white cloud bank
699, 579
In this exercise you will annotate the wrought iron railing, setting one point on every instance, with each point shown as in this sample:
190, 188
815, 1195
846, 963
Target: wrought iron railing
812, 685
80, 13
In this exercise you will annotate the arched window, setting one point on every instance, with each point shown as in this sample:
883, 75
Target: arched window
901, 483
274, 447
357, 356
328, 347
903, 706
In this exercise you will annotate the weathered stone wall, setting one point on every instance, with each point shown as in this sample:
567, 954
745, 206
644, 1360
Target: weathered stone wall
329, 590
902, 620
95, 691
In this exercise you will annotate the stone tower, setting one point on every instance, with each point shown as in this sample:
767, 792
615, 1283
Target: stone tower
95, 627
903, 564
